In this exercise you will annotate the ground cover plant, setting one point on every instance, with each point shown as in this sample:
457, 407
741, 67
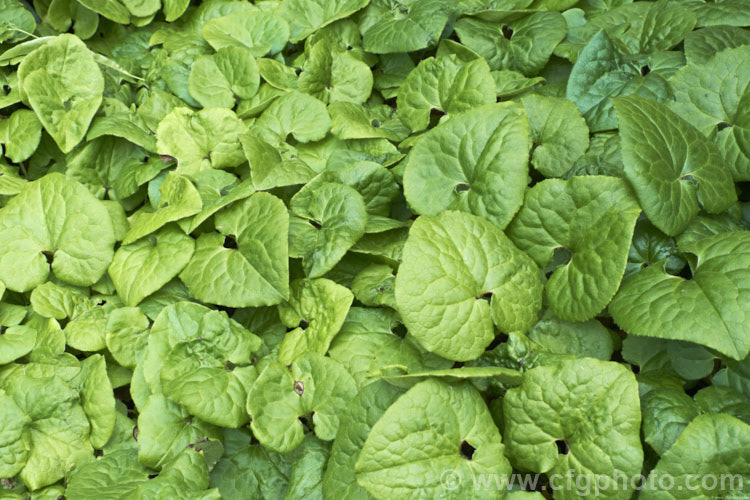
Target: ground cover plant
358, 249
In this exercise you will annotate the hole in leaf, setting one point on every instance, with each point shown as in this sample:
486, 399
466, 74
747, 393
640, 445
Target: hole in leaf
562, 447
645, 70
145, 159
467, 450
98, 453
50, 256
461, 187
485, 296
151, 476
561, 256
230, 242
689, 178
375, 123
303, 323
507, 31
6, 89
349, 47
722, 125
299, 387
644, 265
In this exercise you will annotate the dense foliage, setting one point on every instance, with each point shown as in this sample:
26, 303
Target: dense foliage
373, 248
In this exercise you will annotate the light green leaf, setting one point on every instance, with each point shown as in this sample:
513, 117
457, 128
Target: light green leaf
588, 339
56, 217
438, 421
55, 301
599, 74
451, 264
330, 218
389, 26
356, 420
335, 75
246, 262
316, 310
141, 268
129, 126
446, 84
673, 168
312, 384
476, 162
301, 115
520, 43
258, 32
209, 373
215, 80
715, 446
710, 96
307, 16
582, 414
65, 103
559, 135
15, 436
97, 398
114, 476
179, 199
15, 342
111, 9
126, 335
20, 133
351, 121
374, 286
17, 23
165, 429
59, 430
707, 309
666, 413
201, 140
580, 230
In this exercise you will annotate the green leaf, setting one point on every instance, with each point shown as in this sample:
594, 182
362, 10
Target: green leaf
20, 133
476, 162
301, 115
65, 103
451, 264
15, 436
710, 96
389, 26
702, 45
201, 140
165, 428
559, 135
520, 42
18, 21
711, 446
256, 271
706, 309
312, 384
209, 372
582, 414
356, 421
111, 9
129, 126
599, 74
673, 168
97, 398
438, 420
315, 312
215, 80
15, 342
126, 335
651, 246
59, 217
335, 75
330, 218
58, 430
351, 121
588, 339
114, 476
666, 413
307, 16
580, 230
179, 199
141, 268
446, 84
